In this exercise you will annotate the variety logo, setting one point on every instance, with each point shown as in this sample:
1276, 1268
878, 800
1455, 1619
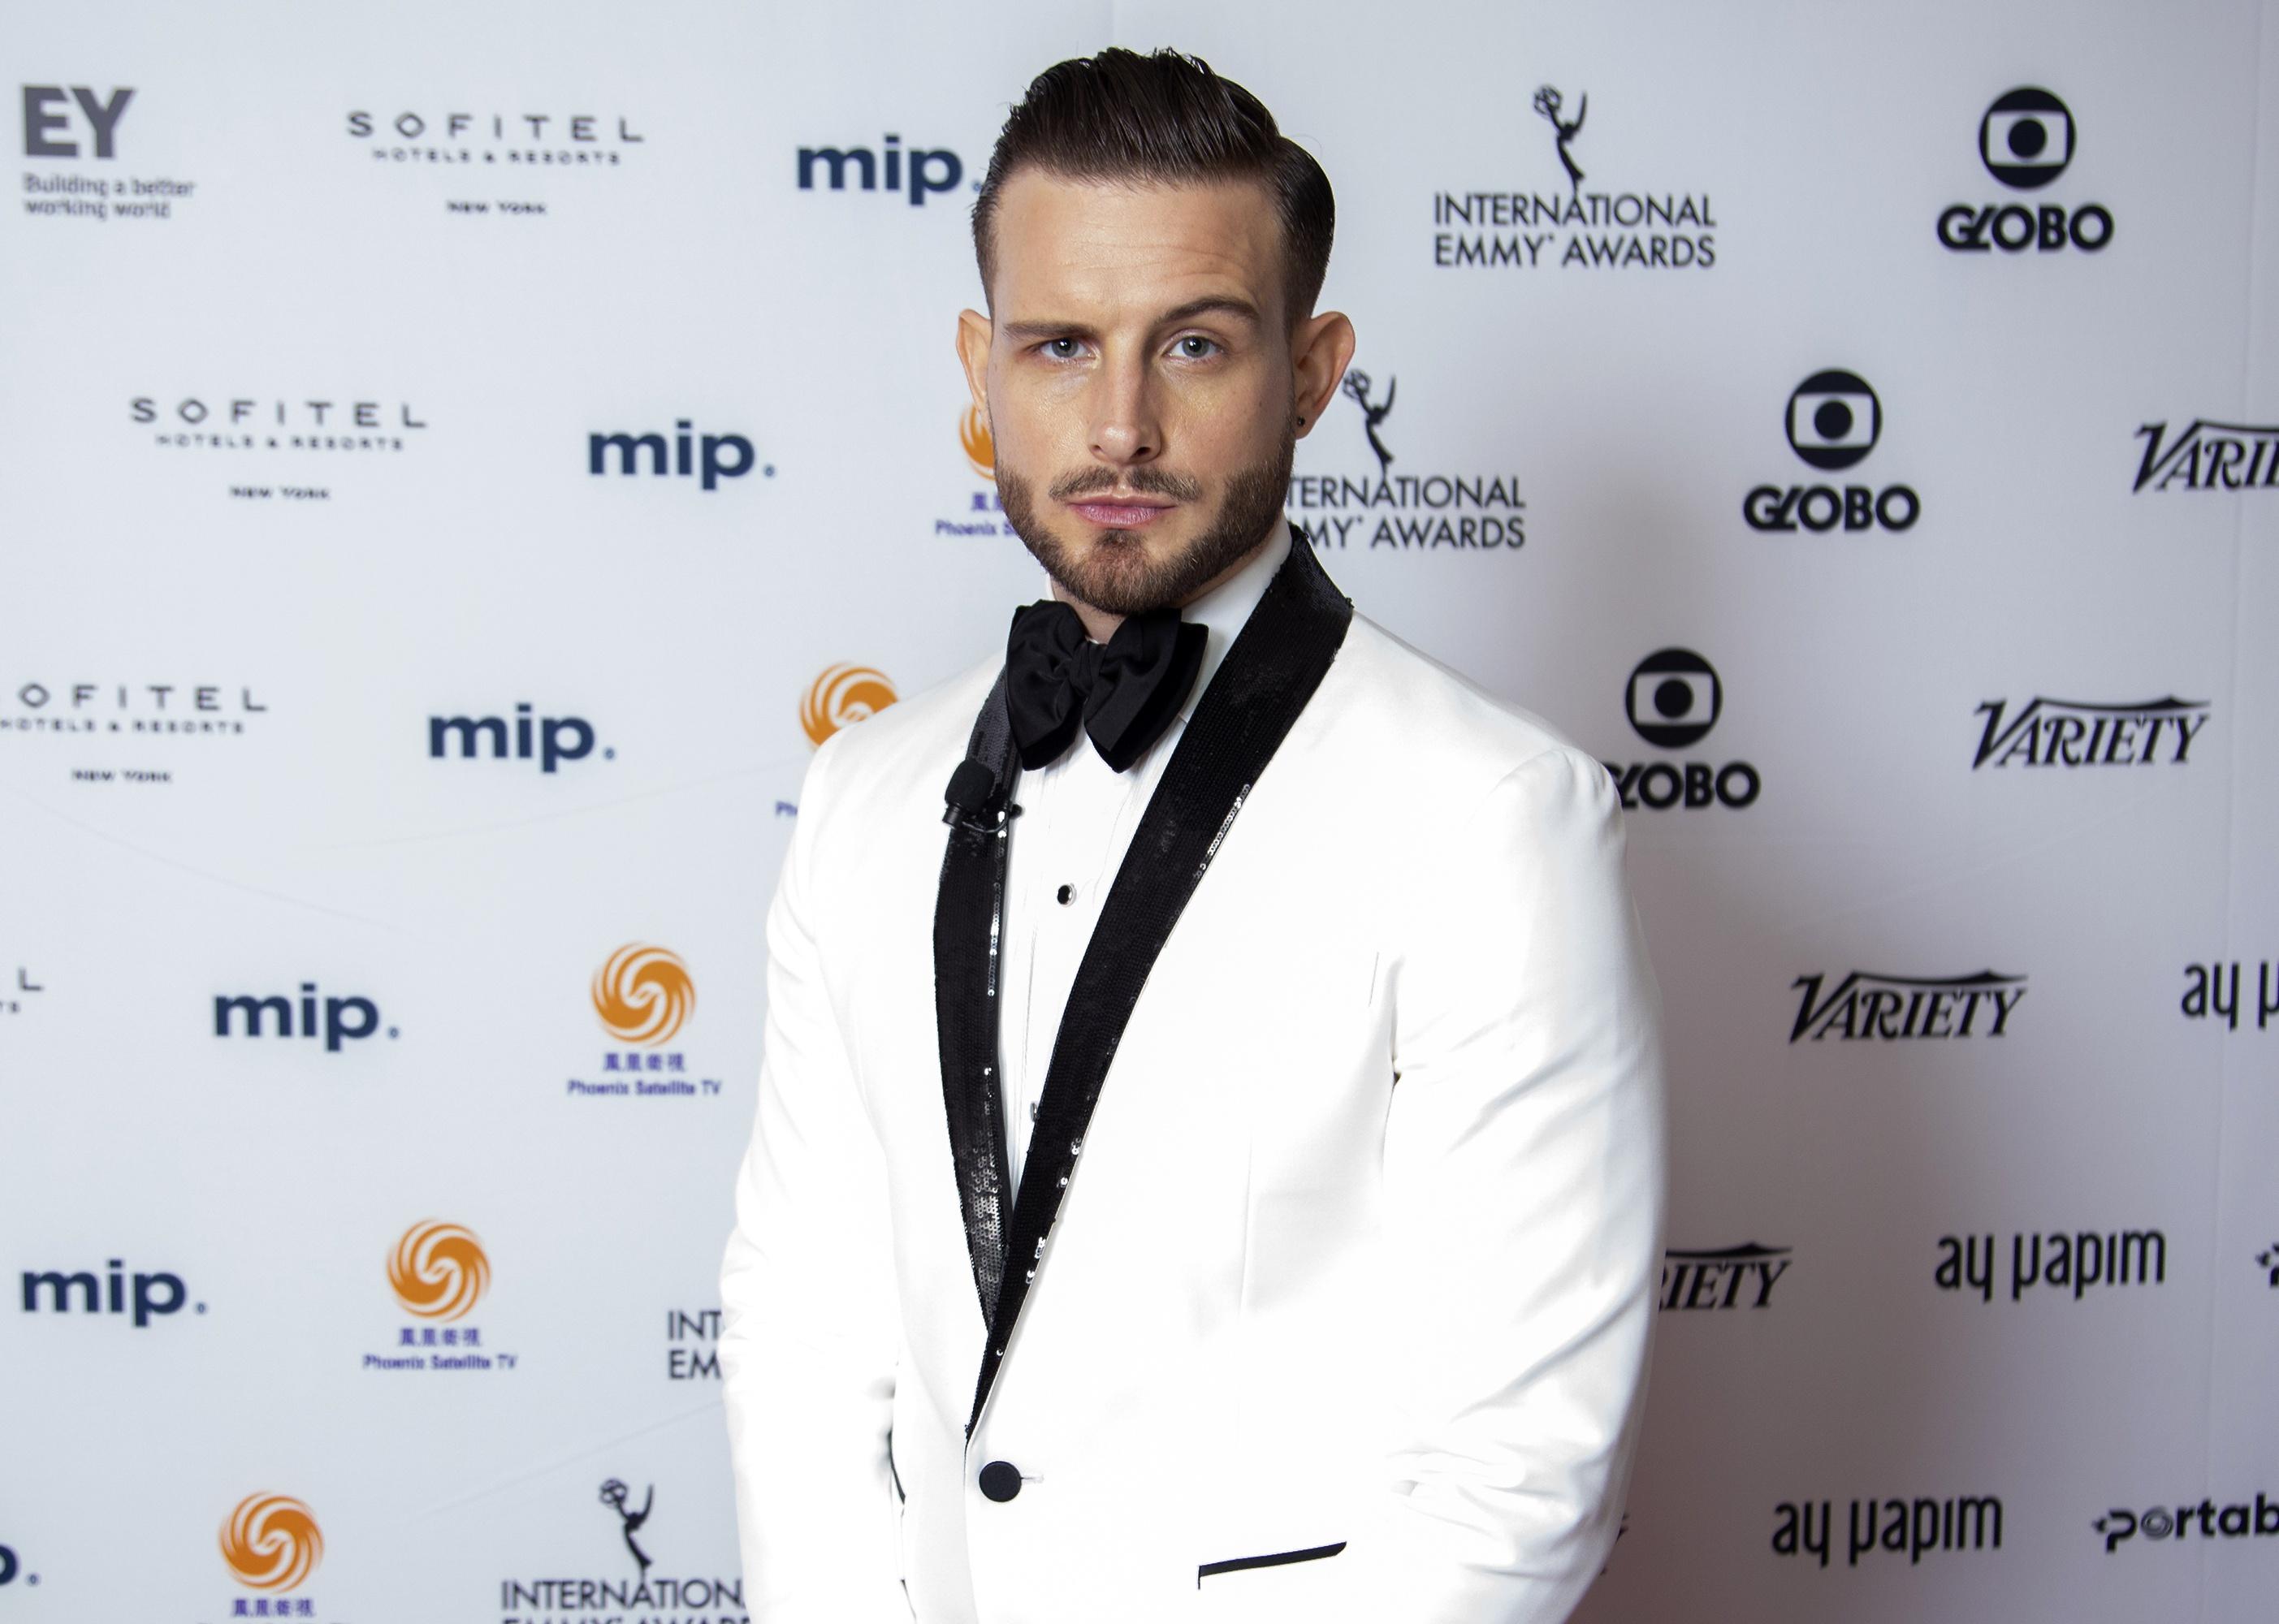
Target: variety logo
143, 1297
2238, 1520
643, 995
2212, 992
439, 1271
1834, 421
709, 458
150, 708
550, 740
78, 122
1915, 1529
272, 1542
927, 172
346, 1020
841, 696
545, 1601
2209, 457
693, 1345
1674, 699
1410, 511
1730, 1277
2055, 732
1643, 229
243, 424
2026, 140
2079, 1262
521, 140
1866, 1006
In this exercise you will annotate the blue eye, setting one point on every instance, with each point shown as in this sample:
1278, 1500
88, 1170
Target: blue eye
1061, 348
1188, 350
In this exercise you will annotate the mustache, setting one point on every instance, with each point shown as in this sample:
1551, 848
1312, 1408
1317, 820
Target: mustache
1144, 480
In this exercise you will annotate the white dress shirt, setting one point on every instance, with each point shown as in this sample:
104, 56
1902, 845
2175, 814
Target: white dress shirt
1078, 815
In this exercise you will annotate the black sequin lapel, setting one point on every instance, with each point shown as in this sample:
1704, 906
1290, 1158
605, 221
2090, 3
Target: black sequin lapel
1277, 661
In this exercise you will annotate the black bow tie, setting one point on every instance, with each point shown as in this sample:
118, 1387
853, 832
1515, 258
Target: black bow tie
1124, 691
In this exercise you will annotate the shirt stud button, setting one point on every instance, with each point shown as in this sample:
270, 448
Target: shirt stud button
1066, 893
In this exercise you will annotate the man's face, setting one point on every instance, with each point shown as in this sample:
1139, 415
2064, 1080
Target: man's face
1139, 378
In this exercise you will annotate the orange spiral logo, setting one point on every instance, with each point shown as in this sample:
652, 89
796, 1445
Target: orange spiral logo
843, 694
643, 994
271, 1541
438, 1271
980, 449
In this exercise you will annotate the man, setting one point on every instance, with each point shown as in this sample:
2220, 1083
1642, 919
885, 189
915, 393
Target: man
1219, 1175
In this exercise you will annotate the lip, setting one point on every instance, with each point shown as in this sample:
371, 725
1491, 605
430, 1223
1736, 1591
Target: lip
1121, 512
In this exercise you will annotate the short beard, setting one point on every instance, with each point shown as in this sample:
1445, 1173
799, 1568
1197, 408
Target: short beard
1115, 576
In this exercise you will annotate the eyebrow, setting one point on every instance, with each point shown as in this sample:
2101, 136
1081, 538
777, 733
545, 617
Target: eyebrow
1215, 305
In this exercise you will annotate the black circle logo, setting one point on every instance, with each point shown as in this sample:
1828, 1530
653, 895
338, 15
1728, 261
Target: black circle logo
1674, 698
1834, 419
2026, 138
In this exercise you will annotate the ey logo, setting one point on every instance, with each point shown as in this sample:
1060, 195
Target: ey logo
272, 1542
438, 1270
643, 994
844, 694
49, 133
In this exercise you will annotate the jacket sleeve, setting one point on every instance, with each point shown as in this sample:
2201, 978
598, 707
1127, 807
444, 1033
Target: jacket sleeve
1523, 1164
809, 1323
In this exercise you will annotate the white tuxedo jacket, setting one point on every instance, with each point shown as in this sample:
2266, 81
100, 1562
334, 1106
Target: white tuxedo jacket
1345, 1310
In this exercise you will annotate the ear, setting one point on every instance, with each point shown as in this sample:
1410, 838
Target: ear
1320, 350
973, 334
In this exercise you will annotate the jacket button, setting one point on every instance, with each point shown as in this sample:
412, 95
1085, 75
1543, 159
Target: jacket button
1000, 1479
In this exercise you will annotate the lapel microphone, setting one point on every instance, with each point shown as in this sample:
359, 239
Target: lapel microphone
972, 788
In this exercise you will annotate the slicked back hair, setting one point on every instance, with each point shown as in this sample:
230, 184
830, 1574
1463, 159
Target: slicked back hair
1156, 120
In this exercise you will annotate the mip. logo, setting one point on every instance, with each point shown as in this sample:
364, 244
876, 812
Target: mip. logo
712, 457
643, 994
843, 694
10, 1567
550, 741
154, 1295
50, 134
1674, 699
345, 1019
928, 171
1834, 420
272, 1542
2026, 140
438, 1270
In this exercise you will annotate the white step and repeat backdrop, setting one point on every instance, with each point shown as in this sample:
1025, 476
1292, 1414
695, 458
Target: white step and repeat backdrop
455, 460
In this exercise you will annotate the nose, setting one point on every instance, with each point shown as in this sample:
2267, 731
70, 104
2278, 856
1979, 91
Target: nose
1125, 428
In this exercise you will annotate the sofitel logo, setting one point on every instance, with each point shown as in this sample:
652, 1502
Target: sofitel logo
2053, 732
1589, 231
841, 696
1866, 1006
2209, 457
129, 708
541, 140
1674, 699
243, 424
2026, 140
1834, 421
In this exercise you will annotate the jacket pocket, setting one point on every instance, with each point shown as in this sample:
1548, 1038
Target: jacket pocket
1312, 1553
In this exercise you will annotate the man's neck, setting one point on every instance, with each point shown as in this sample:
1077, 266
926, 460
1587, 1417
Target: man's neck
1100, 626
